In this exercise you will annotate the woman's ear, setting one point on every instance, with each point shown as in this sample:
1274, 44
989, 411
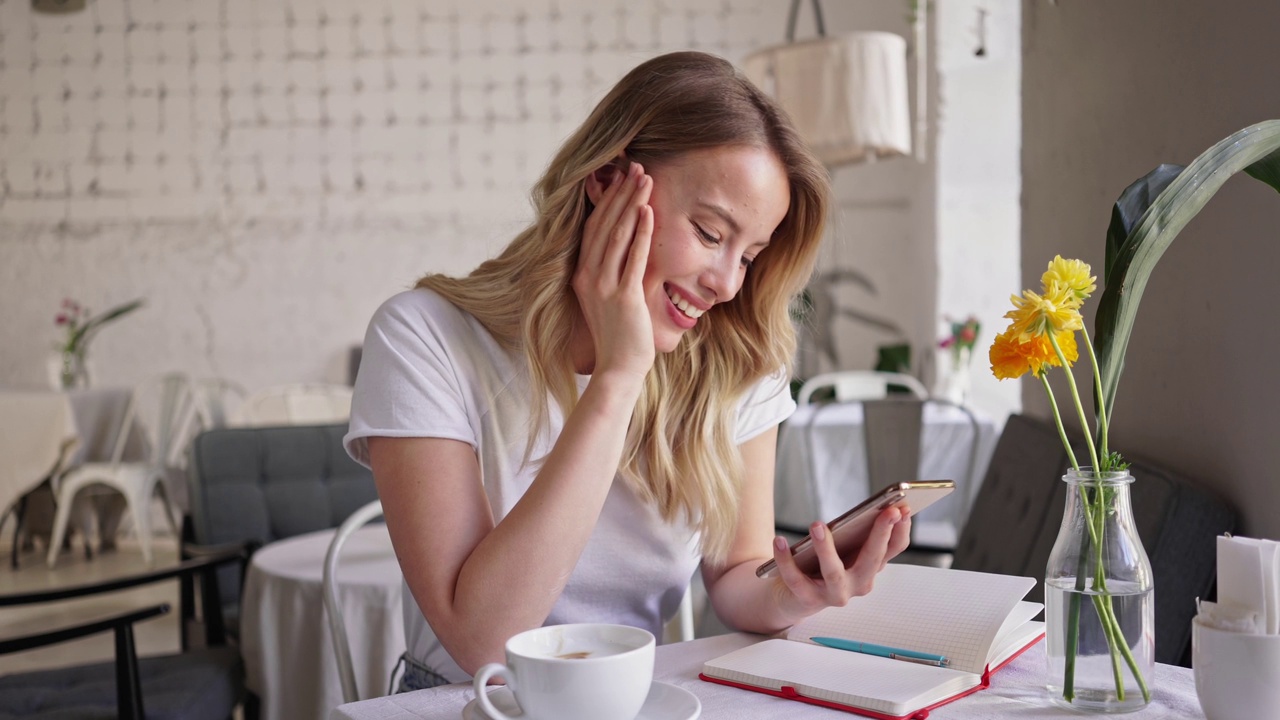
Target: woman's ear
602, 179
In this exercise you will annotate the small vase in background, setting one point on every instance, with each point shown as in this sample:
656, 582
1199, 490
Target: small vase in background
956, 380
69, 369
74, 371
1099, 600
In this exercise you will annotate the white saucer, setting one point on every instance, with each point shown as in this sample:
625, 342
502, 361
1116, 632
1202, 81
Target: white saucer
665, 702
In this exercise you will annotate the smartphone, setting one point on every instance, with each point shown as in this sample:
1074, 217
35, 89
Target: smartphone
851, 529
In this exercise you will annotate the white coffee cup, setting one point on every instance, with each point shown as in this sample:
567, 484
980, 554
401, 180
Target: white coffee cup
574, 672
1237, 674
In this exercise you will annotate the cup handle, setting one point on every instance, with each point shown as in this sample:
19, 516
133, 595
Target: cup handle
482, 680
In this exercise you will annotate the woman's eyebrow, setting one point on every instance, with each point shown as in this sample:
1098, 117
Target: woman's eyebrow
723, 214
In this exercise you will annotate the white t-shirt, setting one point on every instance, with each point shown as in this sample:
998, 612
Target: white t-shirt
430, 369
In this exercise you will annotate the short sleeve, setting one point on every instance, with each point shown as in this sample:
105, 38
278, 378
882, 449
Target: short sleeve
765, 405
409, 384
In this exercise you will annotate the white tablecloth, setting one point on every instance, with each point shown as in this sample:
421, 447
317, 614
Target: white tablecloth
1016, 693
34, 424
287, 646
822, 462
34, 428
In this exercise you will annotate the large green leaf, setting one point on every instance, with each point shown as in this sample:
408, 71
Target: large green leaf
1178, 197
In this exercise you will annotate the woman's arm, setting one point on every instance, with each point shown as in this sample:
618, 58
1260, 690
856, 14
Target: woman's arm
767, 605
478, 583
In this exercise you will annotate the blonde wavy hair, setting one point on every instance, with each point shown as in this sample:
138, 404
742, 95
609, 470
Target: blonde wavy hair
681, 455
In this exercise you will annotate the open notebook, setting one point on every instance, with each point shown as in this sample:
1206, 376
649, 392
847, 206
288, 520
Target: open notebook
977, 621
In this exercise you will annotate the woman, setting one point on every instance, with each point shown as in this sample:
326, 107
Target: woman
567, 432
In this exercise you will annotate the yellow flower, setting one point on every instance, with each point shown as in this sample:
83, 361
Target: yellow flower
1012, 357
1036, 315
1071, 277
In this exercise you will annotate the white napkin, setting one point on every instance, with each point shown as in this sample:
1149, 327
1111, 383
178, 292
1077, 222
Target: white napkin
1248, 585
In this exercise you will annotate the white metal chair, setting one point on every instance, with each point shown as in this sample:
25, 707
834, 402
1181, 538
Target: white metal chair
298, 404
216, 399
333, 606
162, 408
850, 385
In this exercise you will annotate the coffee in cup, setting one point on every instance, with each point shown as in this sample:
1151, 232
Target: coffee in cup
574, 672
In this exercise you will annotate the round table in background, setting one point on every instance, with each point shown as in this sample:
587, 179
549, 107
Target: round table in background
284, 634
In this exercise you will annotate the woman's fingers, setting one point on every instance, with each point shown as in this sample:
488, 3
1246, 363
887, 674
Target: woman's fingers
609, 231
638, 257
796, 581
835, 579
622, 236
874, 552
900, 538
593, 247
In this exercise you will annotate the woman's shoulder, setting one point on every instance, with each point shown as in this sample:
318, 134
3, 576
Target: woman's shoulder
422, 311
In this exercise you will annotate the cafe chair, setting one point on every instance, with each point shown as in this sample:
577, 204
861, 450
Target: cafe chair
205, 683
892, 428
165, 419
851, 385
298, 404
333, 604
269, 483
216, 401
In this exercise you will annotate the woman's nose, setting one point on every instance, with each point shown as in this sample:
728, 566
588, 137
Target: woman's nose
723, 278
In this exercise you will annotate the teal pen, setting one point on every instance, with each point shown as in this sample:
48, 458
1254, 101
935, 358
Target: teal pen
882, 651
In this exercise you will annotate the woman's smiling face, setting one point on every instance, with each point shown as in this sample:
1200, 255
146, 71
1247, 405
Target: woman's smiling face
714, 211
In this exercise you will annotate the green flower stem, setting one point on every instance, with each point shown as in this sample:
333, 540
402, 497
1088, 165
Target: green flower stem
1108, 629
1073, 625
1057, 419
1075, 397
1103, 423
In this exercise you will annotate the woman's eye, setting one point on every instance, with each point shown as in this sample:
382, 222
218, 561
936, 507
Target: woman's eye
706, 236
746, 261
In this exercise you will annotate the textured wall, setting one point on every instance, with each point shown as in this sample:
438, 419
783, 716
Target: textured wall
1110, 91
265, 173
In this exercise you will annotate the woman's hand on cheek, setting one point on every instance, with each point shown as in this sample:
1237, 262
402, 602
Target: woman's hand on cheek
802, 596
609, 278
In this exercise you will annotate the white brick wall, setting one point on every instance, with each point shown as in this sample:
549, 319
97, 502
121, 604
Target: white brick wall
266, 172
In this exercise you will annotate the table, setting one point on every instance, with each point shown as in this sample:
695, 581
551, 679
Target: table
1017, 692
284, 633
36, 430
36, 426
822, 462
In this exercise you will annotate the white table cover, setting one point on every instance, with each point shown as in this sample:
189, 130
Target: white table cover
822, 462
285, 638
34, 428
1017, 692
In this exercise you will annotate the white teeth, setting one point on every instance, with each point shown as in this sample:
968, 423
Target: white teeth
685, 307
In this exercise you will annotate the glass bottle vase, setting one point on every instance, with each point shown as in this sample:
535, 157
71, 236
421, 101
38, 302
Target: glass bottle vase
74, 370
1099, 600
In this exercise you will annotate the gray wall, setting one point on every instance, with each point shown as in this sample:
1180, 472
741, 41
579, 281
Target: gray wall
1110, 90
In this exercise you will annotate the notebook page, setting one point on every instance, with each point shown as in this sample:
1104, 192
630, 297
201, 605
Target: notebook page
954, 613
889, 686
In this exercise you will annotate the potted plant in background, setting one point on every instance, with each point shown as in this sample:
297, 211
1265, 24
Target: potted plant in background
1099, 605
68, 369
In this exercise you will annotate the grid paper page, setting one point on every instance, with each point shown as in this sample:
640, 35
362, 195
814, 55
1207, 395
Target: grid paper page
954, 613
866, 681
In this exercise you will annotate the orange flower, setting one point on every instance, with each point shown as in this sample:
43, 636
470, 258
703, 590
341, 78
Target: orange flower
1011, 357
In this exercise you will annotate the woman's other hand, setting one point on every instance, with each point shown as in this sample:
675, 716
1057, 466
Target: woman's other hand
611, 265
840, 580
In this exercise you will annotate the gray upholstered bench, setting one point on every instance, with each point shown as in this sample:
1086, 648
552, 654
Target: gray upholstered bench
269, 483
